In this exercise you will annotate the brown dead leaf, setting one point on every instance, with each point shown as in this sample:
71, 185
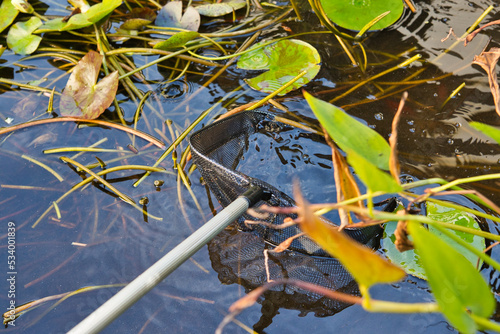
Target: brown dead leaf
402, 243
488, 60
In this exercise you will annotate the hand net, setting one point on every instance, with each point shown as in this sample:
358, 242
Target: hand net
218, 148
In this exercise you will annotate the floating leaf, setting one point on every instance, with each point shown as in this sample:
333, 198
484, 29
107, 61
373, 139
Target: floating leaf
373, 178
457, 286
356, 14
177, 40
365, 266
410, 261
345, 184
20, 38
284, 60
220, 9
350, 134
7, 14
93, 15
82, 97
171, 16
488, 130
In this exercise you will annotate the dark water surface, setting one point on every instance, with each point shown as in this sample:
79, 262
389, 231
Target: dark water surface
433, 142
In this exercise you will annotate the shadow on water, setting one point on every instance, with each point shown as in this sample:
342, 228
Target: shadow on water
101, 240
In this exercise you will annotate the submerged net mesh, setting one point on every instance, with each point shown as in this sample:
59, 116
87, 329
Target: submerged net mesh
217, 150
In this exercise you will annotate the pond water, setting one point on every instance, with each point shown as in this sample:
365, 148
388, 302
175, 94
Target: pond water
434, 141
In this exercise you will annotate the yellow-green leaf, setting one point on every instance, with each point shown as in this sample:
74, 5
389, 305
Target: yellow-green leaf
365, 266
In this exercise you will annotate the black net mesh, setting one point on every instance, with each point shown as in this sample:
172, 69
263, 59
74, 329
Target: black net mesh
217, 150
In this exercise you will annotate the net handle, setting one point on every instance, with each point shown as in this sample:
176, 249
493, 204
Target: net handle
135, 290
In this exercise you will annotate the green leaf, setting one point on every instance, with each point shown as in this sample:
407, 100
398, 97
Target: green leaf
93, 15
20, 38
410, 262
285, 60
176, 40
350, 134
488, 130
373, 178
356, 14
7, 14
220, 9
171, 16
457, 286
82, 97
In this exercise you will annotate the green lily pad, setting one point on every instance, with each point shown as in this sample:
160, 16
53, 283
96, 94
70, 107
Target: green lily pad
285, 60
171, 16
93, 15
82, 97
7, 14
20, 38
410, 261
355, 14
220, 9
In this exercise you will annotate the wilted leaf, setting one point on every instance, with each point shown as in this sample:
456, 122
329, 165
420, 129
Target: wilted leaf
139, 17
177, 40
410, 261
365, 266
220, 9
356, 14
488, 61
171, 16
7, 14
457, 286
284, 60
374, 178
345, 183
350, 134
20, 38
93, 15
82, 97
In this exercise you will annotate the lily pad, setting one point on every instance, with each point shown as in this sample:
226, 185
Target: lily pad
285, 60
220, 9
7, 14
410, 261
93, 15
355, 14
171, 16
82, 97
20, 38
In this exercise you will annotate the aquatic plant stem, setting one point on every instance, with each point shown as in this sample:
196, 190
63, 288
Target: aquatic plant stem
362, 83
138, 133
91, 178
122, 196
